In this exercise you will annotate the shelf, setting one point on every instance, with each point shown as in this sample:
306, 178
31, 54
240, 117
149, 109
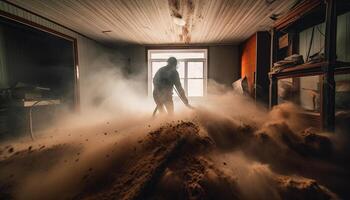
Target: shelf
343, 64
30, 103
310, 68
300, 69
310, 113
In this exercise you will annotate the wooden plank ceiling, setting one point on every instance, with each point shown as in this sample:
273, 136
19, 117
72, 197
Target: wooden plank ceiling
152, 21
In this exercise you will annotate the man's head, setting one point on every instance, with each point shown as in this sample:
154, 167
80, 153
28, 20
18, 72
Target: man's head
172, 62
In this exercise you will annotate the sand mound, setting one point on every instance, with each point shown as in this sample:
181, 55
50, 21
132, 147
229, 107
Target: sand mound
208, 157
174, 165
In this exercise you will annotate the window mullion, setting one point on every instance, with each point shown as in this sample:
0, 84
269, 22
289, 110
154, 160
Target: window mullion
186, 78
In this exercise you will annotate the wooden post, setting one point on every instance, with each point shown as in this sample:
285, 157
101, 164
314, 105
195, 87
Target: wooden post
273, 79
274, 47
294, 43
328, 83
273, 91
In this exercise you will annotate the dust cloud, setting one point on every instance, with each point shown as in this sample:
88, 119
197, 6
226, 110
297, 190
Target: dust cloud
227, 147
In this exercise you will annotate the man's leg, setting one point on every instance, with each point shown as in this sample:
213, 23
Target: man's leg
169, 104
160, 108
160, 105
158, 100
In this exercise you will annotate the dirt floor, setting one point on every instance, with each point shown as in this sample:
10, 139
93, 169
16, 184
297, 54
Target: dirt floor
204, 155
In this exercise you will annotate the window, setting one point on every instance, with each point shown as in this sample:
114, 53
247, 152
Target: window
192, 68
303, 91
342, 92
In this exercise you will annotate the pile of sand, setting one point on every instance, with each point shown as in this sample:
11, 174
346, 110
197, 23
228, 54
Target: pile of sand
208, 156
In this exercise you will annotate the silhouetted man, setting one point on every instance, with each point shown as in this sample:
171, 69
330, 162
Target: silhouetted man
164, 81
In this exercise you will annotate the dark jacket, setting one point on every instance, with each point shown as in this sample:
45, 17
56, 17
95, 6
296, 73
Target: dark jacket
165, 79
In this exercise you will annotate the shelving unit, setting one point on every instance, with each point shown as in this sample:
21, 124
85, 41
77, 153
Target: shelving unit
308, 14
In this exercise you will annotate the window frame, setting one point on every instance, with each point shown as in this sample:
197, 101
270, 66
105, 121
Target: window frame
186, 61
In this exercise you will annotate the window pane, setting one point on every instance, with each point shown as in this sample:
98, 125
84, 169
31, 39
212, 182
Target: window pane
195, 87
177, 55
182, 84
342, 92
310, 93
181, 69
195, 69
343, 31
342, 105
285, 90
156, 66
303, 91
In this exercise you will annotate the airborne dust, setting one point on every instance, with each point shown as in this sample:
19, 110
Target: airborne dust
228, 147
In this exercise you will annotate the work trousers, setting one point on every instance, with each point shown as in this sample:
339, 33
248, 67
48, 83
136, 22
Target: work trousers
164, 99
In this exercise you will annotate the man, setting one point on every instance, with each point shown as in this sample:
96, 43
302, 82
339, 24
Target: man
164, 81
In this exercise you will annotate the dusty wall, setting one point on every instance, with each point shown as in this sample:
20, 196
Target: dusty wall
224, 64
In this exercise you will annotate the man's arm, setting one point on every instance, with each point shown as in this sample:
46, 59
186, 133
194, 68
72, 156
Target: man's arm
156, 79
179, 88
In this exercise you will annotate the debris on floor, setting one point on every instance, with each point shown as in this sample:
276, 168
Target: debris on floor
202, 158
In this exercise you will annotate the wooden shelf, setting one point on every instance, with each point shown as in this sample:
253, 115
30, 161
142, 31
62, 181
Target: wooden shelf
310, 68
300, 69
343, 64
306, 112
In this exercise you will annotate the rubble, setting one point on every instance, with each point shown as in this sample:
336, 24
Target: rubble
178, 161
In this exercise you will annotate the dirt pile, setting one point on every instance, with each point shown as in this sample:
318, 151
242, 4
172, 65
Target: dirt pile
138, 176
18, 164
208, 156
175, 162
301, 188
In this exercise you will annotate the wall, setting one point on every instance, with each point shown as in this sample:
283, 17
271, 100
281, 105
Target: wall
91, 54
93, 58
224, 65
136, 63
